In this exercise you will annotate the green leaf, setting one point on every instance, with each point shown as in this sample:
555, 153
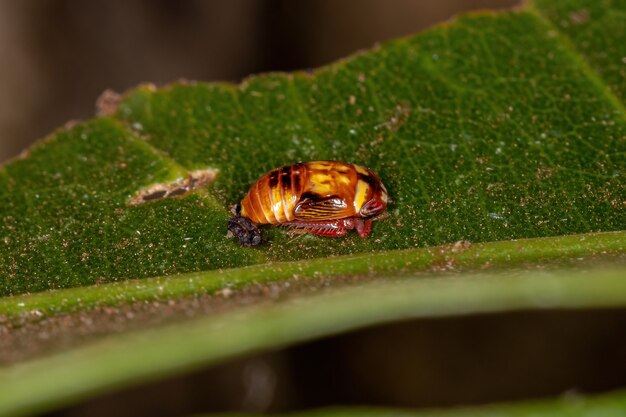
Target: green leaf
582, 27
510, 254
64, 378
494, 127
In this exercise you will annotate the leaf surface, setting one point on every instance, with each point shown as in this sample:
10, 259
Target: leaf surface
494, 127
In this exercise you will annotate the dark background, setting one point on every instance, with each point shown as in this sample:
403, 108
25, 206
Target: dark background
59, 55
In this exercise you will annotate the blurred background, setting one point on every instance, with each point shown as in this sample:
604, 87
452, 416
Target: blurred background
59, 55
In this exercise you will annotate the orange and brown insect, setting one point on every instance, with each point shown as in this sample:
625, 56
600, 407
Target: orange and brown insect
325, 198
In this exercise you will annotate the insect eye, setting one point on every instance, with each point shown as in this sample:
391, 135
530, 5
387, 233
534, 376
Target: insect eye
374, 206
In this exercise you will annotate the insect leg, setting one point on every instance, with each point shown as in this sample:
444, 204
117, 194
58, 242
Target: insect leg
326, 231
335, 228
363, 227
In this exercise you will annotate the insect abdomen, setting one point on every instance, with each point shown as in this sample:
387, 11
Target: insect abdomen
273, 197
313, 191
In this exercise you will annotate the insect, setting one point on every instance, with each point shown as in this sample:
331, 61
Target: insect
325, 198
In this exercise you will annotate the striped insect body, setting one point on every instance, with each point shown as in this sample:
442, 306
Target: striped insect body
325, 198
